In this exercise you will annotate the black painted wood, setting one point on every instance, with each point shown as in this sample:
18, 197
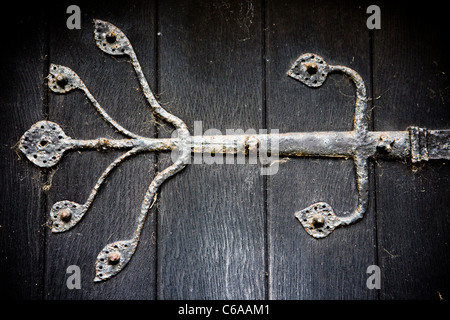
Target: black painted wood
21, 197
411, 86
301, 267
211, 224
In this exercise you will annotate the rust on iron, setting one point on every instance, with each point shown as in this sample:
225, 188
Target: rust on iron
45, 143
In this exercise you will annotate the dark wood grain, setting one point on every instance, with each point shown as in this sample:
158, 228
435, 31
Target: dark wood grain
114, 213
224, 231
411, 84
301, 267
211, 224
21, 196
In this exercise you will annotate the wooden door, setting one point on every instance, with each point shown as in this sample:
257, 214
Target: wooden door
226, 231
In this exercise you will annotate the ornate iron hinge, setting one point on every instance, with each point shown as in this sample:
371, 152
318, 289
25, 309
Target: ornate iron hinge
45, 143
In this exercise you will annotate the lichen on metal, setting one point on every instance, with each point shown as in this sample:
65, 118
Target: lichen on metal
45, 143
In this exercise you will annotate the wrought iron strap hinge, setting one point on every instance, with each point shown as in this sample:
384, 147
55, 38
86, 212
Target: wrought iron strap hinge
45, 143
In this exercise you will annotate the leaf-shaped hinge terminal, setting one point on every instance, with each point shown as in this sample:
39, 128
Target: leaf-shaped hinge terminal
113, 258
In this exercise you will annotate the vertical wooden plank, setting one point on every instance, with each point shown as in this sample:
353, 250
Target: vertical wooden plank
114, 213
411, 81
22, 98
211, 224
301, 267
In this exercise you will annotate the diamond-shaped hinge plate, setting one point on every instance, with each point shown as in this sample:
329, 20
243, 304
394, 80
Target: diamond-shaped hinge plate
318, 219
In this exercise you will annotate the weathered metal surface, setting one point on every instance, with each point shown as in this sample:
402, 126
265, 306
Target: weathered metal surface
429, 144
113, 41
45, 143
312, 70
343, 144
318, 219
62, 80
438, 146
419, 150
113, 258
